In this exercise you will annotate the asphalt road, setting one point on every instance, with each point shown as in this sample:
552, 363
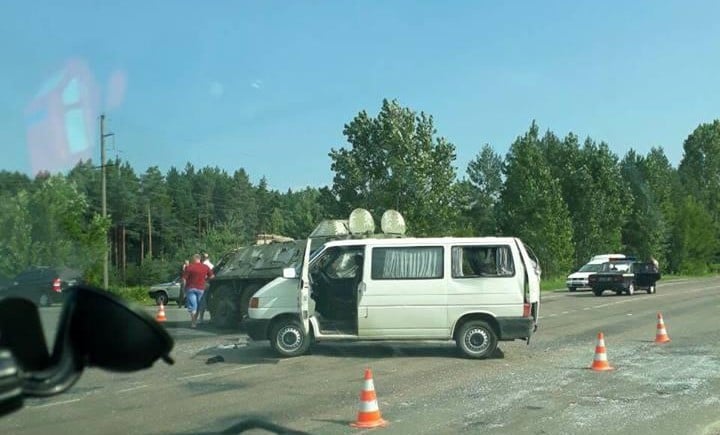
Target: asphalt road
541, 388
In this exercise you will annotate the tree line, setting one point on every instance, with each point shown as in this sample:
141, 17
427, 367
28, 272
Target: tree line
567, 198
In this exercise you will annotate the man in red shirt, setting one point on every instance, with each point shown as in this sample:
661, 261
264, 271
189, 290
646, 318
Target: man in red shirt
194, 277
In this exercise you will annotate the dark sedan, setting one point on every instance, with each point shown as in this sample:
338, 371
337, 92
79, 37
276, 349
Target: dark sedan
625, 277
42, 285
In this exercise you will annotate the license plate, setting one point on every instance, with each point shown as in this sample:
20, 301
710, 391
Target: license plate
605, 278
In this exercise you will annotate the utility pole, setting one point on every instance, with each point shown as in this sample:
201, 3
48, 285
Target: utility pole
149, 234
106, 249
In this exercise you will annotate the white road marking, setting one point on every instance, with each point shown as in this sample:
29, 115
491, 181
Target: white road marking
632, 299
126, 390
237, 369
46, 405
285, 361
218, 373
201, 375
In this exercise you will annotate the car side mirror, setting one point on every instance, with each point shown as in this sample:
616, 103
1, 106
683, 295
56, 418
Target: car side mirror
96, 328
94, 332
289, 273
11, 393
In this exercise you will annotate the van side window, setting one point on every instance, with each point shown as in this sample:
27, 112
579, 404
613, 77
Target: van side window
482, 261
422, 262
347, 265
339, 262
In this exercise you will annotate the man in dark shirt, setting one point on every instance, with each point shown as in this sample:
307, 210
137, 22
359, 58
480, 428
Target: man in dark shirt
194, 278
181, 295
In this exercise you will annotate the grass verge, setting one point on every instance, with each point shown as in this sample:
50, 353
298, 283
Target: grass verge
552, 284
136, 294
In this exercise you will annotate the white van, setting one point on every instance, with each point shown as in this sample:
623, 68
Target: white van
475, 291
580, 278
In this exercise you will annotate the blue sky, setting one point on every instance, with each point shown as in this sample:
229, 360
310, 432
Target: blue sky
268, 85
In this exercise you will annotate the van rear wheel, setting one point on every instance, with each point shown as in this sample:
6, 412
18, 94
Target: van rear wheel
477, 339
288, 338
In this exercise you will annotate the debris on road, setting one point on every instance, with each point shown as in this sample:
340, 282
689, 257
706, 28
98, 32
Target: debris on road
215, 359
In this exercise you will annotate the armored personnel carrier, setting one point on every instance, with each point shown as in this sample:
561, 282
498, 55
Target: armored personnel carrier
241, 272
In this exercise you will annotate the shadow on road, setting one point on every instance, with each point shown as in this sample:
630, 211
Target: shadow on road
344, 423
385, 350
206, 326
260, 353
245, 423
239, 353
592, 295
202, 387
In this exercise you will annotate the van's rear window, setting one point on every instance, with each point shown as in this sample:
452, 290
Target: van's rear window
425, 262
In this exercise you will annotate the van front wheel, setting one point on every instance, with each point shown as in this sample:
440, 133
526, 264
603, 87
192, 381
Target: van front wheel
476, 339
288, 338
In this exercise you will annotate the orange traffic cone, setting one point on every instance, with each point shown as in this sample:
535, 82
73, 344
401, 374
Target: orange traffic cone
369, 413
600, 362
661, 336
160, 316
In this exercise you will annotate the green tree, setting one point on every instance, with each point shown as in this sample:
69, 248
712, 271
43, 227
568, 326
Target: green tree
330, 204
57, 212
246, 206
91, 243
465, 200
589, 178
17, 250
157, 209
531, 205
124, 209
223, 237
267, 201
183, 222
700, 167
643, 232
395, 161
663, 182
12, 183
60, 232
479, 195
694, 238
276, 224
86, 176
604, 202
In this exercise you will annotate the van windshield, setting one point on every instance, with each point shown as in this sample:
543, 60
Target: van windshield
591, 268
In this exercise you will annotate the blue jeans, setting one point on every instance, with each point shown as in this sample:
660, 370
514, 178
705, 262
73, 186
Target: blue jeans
193, 297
